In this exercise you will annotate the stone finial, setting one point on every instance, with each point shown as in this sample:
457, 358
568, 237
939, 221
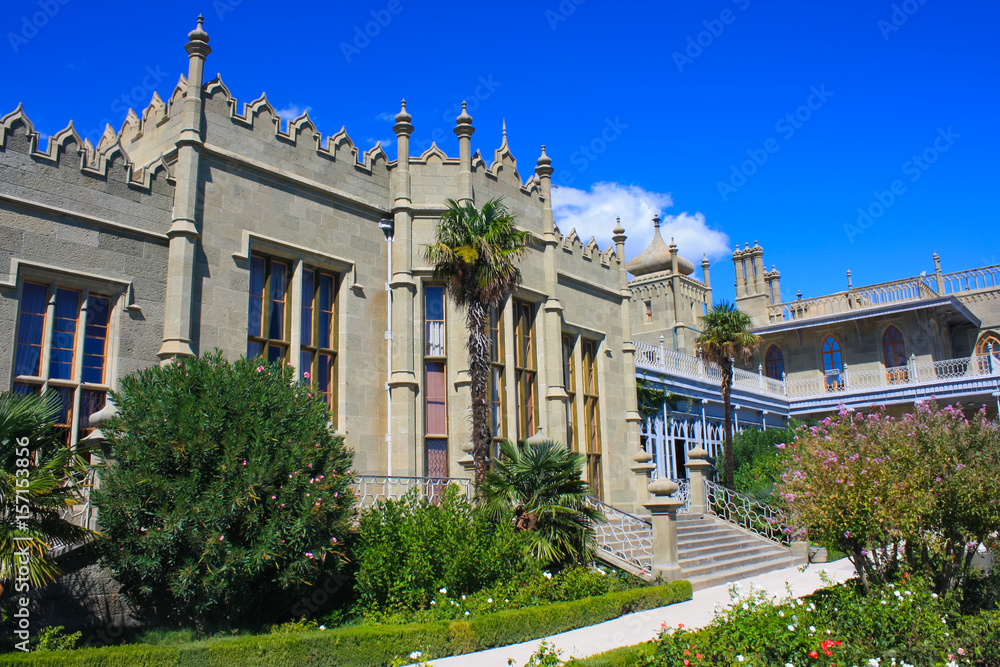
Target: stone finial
199, 34
618, 230
536, 439
504, 130
662, 486
464, 118
656, 220
704, 261
403, 116
543, 159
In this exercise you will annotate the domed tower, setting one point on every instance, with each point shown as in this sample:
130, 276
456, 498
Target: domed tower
666, 298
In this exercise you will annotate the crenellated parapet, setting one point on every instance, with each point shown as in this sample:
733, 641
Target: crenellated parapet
571, 244
109, 160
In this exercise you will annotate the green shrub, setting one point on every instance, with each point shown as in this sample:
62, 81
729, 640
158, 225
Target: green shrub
54, 639
759, 463
227, 497
409, 549
373, 645
627, 656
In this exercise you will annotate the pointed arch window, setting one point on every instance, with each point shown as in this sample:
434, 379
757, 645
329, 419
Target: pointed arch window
833, 364
894, 352
988, 352
774, 363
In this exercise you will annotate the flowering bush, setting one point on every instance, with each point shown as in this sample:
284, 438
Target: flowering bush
898, 624
227, 497
917, 491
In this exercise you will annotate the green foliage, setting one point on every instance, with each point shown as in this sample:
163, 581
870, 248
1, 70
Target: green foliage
540, 488
409, 549
627, 656
373, 645
47, 476
228, 496
759, 463
651, 400
920, 490
529, 588
546, 655
835, 626
54, 639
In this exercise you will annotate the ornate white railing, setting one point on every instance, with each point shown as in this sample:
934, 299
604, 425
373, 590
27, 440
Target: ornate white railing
683, 493
625, 536
748, 513
372, 488
985, 277
678, 363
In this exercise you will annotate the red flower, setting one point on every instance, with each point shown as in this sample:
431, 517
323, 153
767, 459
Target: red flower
813, 654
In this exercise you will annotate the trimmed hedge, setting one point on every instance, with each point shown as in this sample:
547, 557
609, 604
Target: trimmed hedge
371, 645
627, 656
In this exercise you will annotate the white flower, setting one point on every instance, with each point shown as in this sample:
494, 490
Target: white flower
322, 627
548, 575
740, 658
781, 614
415, 655
443, 591
463, 597
466, 613
934, 595
791, 628
812, 628
489, 600
788, 664
432, 602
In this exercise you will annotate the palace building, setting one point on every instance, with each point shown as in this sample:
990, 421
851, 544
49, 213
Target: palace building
206, 222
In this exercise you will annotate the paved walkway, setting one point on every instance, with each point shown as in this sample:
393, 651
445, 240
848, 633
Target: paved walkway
644, 626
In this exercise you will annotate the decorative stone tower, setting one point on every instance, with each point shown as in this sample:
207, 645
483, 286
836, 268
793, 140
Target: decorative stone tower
752, 284
185, 229
464, 132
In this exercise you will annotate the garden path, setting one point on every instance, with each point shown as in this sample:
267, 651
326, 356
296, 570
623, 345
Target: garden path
644, 626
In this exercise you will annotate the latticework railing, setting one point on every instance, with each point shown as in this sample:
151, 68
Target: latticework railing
683, 494
625, 536
372, 488
748, 513
985, 277
678, 363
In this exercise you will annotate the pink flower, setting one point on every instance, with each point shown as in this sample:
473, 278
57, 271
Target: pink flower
306, 375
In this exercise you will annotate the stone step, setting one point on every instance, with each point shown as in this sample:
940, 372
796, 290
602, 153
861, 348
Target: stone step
710, 547
690, 562
726, 563
708, 580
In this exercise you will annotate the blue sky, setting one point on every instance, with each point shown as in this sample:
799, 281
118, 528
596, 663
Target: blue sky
740, 120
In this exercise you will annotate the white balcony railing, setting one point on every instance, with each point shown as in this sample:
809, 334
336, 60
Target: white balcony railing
669, 362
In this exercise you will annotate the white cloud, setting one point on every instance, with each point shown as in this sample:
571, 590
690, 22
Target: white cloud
386, 116
385, 142
292, 112
593, 213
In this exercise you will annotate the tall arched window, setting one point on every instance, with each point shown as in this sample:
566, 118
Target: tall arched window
894, 351
774, 363
833, 364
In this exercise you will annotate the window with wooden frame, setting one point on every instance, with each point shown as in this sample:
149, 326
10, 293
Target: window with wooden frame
894, 351
435, 382
569, 383
774, 363
833, 365
62, 347
990, 339
592, 417
525, 370
495, 389
318, 340
269, 320
648, 306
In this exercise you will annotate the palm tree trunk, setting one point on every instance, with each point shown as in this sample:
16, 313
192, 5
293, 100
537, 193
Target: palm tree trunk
479, 368
729, 458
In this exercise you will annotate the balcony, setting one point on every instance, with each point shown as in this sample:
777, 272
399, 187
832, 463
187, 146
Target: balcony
977, 376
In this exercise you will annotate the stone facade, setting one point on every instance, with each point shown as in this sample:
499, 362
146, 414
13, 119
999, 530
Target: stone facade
165, 216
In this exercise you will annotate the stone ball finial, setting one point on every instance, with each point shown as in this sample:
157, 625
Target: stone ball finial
618, 230
403, 116
662, 486
199, 34
543, 159
464, 118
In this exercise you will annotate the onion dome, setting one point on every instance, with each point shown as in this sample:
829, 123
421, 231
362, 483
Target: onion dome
403, 116
656, 258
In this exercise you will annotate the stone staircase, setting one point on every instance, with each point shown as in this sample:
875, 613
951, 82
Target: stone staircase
712, 552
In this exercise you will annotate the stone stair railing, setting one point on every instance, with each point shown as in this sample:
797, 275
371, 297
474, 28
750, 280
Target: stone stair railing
625, 540
748, 513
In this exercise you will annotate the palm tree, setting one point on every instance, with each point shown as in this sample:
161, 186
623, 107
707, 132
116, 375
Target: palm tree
476, 253
540, 488
726, 335
32, 504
